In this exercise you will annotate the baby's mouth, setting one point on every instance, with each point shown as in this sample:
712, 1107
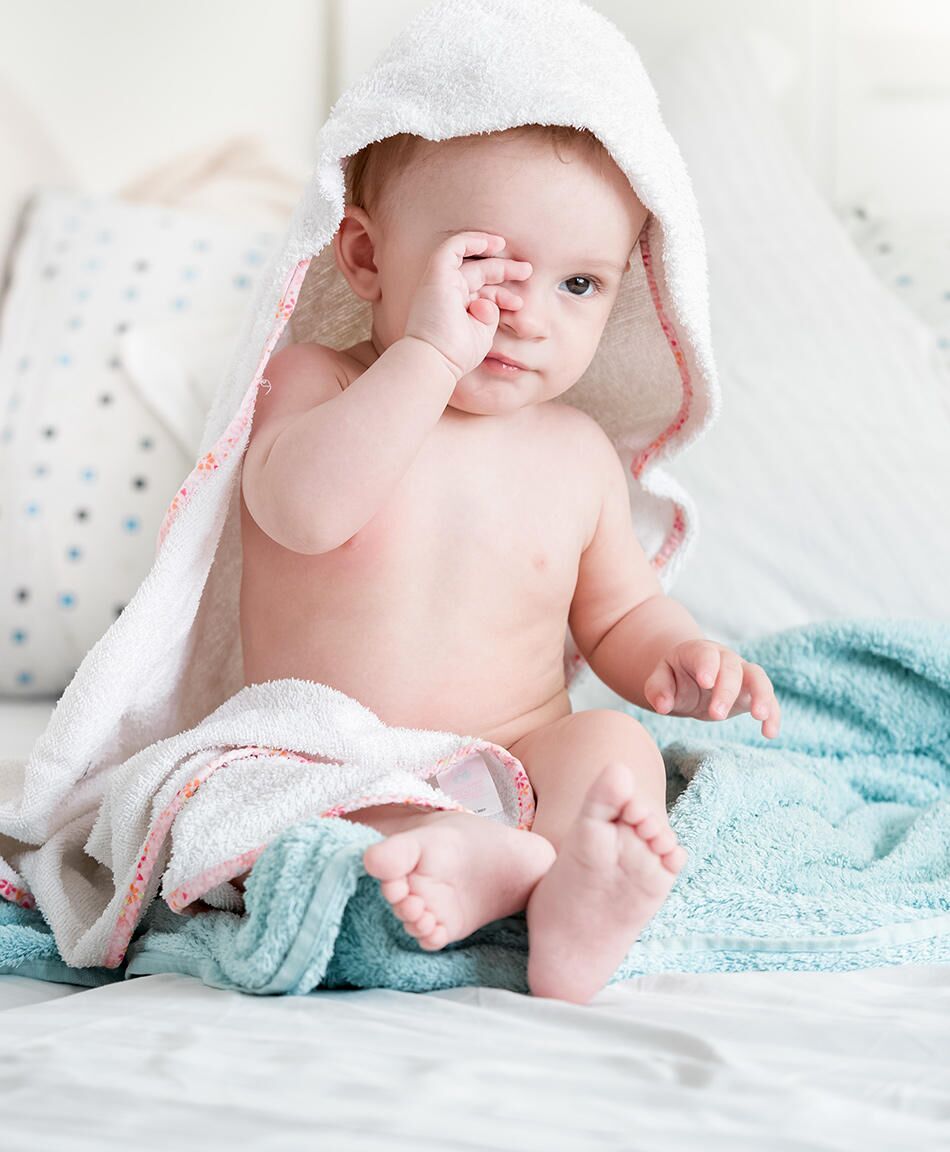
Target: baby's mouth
494, 364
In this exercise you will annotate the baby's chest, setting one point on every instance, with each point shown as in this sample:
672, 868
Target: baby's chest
488, 526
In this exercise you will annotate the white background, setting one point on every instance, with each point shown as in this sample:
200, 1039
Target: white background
122, 87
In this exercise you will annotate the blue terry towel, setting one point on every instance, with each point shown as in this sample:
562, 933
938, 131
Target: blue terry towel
828, 848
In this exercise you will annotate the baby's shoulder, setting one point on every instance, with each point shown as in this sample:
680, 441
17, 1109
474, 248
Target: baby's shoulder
297, 365
579, 452
571, 428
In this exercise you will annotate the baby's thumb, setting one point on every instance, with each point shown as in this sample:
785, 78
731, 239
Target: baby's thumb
485, 310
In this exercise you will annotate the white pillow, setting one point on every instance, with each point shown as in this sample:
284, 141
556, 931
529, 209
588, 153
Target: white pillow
118, 322
822, 490
911, 255
29, 158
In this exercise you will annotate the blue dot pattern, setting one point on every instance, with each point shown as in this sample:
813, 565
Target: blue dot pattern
90, 460
912, 257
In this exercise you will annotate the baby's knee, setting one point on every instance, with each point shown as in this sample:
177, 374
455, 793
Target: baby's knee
566, 756
620, 736
617, 737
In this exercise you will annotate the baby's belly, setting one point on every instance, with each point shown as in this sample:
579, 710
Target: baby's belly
465, 638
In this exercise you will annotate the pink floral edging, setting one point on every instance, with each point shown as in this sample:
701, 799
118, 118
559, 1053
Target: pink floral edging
132, 905
224, 446
226, 870
180, 898
576, 660
675, 535
201, 471
21, 896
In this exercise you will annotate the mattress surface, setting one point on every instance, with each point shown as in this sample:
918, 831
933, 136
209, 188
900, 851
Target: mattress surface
771, 1060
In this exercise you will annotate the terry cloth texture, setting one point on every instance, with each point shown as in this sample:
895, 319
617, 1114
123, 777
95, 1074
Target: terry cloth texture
826, 849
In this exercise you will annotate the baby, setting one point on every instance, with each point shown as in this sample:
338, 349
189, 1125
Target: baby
422, 518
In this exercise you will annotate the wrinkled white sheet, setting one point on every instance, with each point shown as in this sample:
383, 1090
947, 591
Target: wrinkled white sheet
764, 1062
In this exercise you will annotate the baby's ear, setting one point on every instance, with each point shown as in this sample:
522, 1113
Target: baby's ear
354, 253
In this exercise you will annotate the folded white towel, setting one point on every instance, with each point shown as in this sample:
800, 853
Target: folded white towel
272, 756
98, 793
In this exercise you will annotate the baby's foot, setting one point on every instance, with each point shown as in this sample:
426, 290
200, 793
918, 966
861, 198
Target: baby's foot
614, 870
450, 873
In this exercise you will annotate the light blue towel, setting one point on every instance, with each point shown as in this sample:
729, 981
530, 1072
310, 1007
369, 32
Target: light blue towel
828, 848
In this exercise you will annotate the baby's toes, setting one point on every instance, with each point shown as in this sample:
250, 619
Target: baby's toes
652, 827
409, 909
634, 811
436, 939
673, 861
421, 926
393, 858
663, 842
647, 827
396, 891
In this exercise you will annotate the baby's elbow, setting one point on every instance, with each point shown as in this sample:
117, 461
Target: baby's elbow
280, 519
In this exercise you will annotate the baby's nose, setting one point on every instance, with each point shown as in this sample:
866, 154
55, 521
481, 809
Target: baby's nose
528, 321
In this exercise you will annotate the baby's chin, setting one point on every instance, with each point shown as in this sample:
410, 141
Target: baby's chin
481, 395
478, 406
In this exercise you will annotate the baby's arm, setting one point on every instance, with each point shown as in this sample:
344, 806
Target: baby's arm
330, 468
643, 644
620, 618
631, 650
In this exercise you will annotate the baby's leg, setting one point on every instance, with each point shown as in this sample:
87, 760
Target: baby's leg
601, 789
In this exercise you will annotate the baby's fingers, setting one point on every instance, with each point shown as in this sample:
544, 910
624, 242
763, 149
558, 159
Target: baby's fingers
727, 686
700, 660
493, 270
503, 297
660, 688
764, 705
773, 721
486, 311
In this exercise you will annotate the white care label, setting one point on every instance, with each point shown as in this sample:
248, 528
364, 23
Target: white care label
470, 783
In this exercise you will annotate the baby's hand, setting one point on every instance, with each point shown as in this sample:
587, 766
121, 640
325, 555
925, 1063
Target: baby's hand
457, 303
710, 682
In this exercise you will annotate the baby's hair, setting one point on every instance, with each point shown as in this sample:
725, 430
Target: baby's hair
367, 171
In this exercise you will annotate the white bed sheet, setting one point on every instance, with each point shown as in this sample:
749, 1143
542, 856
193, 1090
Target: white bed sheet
764, 1062
733, 1061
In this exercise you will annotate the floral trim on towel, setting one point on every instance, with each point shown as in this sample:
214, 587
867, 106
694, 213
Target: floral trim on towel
574, 659
181, 897
132, 905
22, 897
224, 445
675, 536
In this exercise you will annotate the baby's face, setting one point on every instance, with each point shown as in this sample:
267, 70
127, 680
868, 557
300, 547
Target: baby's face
575, 220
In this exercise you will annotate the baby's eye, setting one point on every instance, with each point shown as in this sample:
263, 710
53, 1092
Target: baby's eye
595, 284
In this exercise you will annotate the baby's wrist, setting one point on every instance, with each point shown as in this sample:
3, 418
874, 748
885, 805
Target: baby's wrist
435, 355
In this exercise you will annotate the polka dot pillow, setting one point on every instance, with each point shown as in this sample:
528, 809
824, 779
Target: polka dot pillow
118, 321
912, 257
